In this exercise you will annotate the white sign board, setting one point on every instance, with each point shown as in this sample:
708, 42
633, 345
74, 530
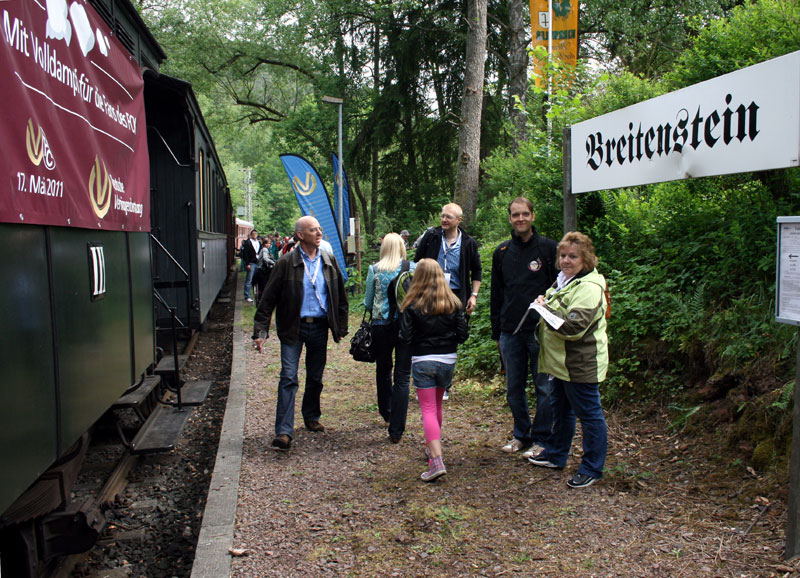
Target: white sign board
748, 120
787, 286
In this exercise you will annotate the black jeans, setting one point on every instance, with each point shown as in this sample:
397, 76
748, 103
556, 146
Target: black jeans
392, 399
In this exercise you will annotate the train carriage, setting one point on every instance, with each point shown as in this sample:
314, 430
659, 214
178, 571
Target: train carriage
110, 185
191, 206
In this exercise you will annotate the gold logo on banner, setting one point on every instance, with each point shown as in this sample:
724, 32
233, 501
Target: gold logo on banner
38, 147
100, 188
306, 188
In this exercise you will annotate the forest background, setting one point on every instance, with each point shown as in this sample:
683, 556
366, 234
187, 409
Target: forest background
691, 264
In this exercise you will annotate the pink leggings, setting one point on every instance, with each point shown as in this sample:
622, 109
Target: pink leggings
430, 404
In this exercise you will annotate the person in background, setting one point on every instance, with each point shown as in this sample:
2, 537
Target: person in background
274, 248
522, 269
392, 399
574, 352
265, 265
457, 254
306, 290
404, 235
250, 250
432, 323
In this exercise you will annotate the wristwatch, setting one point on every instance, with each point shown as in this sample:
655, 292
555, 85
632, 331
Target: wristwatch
474, 294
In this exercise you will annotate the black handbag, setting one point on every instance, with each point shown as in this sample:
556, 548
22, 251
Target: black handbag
361, 342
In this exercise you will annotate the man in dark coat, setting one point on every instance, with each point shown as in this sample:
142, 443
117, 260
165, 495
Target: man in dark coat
457, 254
306, 291
250, 249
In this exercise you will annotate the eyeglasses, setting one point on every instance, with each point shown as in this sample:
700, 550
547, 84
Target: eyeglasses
447, 217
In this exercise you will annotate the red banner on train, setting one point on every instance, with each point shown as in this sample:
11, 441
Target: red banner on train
73, 134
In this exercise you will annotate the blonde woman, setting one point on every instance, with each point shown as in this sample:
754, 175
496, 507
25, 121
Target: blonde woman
392, 398
432, 322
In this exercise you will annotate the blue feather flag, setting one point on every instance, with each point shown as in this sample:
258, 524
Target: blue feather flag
309, 190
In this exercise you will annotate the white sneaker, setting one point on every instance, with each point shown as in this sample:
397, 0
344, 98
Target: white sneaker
513, 446
249, 300
534, 450
446, 395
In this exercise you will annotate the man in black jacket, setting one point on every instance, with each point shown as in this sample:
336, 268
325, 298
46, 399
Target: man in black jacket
306, 291
250, 250
522, 269
457, 254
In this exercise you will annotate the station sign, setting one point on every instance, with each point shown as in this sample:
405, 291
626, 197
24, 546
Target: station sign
740, 122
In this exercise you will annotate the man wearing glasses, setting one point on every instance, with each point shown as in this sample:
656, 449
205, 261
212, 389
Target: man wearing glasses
457, 254
306, 291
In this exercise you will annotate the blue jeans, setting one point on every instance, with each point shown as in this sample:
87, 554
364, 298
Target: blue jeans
315, 338
430, 374
572, 399
520, 354
392, 399
248, 282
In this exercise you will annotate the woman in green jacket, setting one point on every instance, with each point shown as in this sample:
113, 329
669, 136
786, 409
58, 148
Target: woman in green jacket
574, 352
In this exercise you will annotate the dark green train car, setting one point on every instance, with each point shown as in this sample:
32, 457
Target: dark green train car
78, 318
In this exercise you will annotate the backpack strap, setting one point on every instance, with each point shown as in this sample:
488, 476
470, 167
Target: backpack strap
392, 289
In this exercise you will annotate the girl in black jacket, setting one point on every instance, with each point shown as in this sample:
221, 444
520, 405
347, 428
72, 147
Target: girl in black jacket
432, 322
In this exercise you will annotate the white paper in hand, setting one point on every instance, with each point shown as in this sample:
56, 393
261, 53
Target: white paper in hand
552, 320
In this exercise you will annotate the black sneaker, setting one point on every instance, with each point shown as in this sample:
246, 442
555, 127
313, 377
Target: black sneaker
543, 462
581, 481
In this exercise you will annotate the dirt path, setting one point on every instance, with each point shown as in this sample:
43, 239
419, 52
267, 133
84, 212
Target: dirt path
349, 503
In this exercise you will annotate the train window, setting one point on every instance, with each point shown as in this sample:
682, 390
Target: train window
210, 199
214, 201
97, 271
201, 189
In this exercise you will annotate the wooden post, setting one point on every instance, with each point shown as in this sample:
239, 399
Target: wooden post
793, 513
357, 221
570, 205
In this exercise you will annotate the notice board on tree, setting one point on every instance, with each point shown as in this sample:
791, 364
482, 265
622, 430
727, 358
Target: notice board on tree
787, 285
739, 122
72, 126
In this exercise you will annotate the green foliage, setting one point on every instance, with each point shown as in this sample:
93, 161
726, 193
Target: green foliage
725, 45
479, 354
642, 36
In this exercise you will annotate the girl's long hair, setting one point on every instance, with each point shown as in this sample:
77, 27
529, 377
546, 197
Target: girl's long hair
429, 292
393, 250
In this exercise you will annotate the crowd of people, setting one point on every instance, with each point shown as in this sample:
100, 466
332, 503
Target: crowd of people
548, 316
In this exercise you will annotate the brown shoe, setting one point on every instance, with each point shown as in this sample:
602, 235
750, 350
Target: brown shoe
314, 425
282, 443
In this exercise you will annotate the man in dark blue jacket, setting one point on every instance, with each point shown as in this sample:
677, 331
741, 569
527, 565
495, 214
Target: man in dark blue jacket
522, 269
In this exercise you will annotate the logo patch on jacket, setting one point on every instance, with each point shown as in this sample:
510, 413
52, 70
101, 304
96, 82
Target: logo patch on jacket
535, 265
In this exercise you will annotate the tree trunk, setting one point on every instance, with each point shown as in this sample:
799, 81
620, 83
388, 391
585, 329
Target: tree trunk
517, 72
469, 134
376, 87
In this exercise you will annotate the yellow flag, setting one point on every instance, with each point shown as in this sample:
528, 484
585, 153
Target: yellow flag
565, 31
